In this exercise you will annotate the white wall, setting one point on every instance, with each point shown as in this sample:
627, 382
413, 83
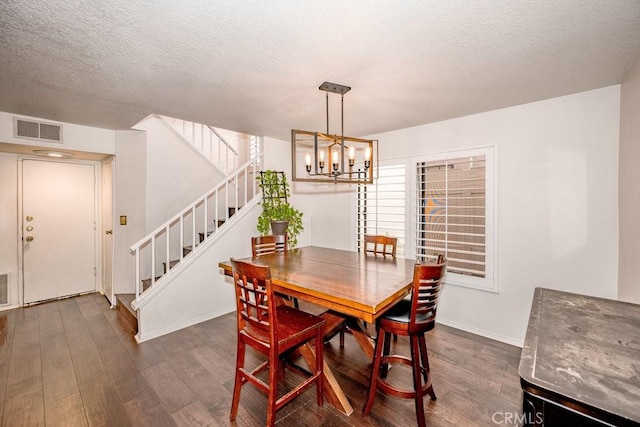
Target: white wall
557, 203
129, 200
629, 186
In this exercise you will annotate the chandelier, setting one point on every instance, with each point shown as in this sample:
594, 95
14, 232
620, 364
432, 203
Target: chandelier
323, 157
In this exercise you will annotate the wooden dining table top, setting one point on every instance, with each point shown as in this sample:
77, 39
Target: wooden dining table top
348, 282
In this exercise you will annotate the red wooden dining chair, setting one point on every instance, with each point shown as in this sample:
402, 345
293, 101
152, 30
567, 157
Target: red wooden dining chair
269, 244
274, 330
413, 318
380, 245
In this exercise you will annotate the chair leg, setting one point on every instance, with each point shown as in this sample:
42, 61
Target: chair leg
237, 386
417, 382
342, 338
384, 370
319, 368
425, 367
373, 382
272, 395
281, 369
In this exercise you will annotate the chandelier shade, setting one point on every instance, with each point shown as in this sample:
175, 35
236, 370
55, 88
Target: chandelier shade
325, 157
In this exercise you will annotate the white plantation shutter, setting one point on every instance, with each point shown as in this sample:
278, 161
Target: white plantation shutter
254, 148
381, 206
454, 215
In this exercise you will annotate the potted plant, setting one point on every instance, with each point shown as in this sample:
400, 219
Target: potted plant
276, 207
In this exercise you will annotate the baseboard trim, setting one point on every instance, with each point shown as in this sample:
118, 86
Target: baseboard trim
8, 307
481, 332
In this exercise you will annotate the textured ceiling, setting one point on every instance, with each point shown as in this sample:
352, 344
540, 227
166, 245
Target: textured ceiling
255, 66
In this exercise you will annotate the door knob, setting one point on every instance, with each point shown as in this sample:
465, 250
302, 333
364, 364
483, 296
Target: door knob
29, 228
29, 218
29, 239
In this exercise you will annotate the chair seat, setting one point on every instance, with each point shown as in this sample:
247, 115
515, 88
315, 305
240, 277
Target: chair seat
398, 317
294, 325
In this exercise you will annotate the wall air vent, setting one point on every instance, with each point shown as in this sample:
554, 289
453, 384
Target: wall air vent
29, 129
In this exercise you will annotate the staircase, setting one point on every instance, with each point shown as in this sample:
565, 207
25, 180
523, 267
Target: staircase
166, 252
209, 142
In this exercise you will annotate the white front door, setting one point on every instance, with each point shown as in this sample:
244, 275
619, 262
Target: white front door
58, 229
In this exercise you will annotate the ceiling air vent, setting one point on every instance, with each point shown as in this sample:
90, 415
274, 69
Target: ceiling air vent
37, 130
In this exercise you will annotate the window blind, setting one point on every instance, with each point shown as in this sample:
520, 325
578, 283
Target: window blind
450, 217
381, 206
254, 148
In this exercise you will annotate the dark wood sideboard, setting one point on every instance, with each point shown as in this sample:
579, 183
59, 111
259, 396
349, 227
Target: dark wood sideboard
580, 363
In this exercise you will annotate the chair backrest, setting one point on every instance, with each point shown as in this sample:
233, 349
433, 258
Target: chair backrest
263, 245
254, 300
427, 281
380, 245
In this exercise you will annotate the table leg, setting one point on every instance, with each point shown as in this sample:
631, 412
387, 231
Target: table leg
361, 336
332, 390
334, 322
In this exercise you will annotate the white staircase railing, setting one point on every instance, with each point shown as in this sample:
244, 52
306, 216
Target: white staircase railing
165, 248
207, 141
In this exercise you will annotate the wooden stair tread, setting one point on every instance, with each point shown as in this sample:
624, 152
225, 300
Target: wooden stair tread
124, 309
172, 264
146, 283
126, 300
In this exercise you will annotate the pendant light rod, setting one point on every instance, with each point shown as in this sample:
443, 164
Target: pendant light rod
327, 110
342, 118
334, 88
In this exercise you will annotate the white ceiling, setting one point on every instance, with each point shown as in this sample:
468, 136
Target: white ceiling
255, 66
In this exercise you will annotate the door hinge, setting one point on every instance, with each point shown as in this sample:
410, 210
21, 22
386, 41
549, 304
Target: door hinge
95, 271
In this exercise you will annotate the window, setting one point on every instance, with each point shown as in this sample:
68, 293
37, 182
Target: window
254, 148
454, 215
381, 206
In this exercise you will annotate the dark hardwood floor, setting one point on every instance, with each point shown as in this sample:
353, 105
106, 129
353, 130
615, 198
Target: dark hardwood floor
74, 362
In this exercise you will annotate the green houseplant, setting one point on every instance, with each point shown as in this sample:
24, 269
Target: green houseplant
276, 207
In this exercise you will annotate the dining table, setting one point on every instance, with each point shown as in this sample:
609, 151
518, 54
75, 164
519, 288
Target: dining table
350, 286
